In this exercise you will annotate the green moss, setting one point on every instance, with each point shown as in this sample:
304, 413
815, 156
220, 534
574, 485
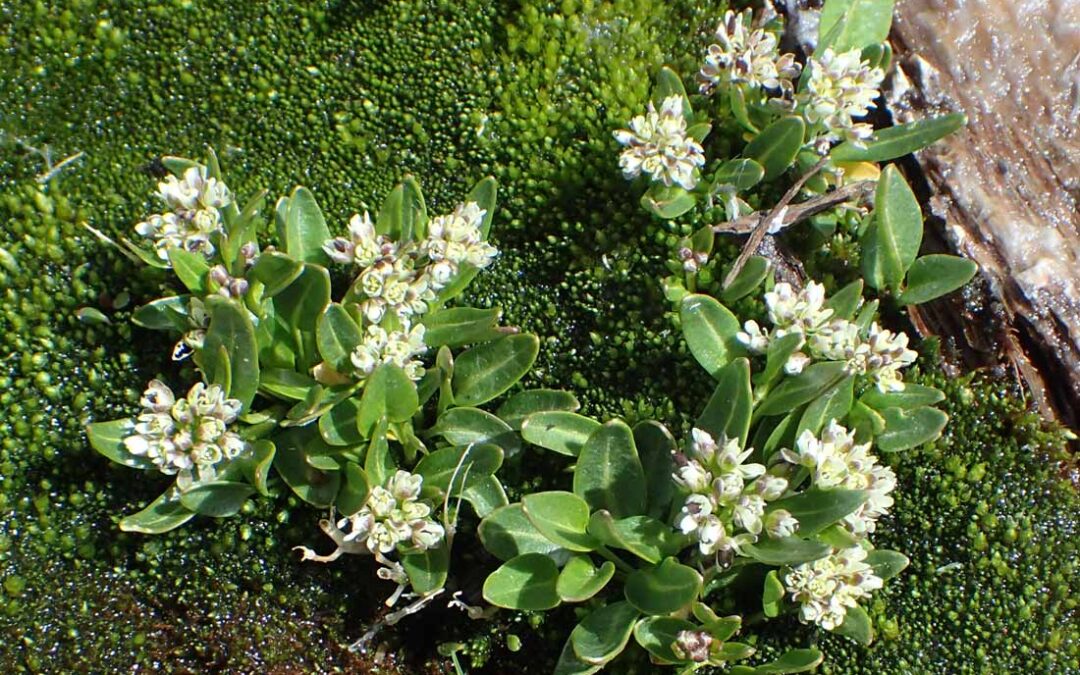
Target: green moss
990, 520
348, 97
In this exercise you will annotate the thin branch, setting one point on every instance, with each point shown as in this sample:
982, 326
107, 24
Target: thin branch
766, 223
801, 211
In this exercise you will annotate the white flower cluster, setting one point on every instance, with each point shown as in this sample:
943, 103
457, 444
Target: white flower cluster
841, 86
727, 495
187, 437
393, 518
746, 55
402, 278
195, 204
398, 347
828, 587
880, 354
657, 144
836, 461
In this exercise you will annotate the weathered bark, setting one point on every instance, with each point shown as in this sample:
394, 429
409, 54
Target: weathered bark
1006, 188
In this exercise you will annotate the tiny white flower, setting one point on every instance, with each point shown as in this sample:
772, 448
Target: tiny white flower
743, 55
780, 523
657, 144
755, 339
841, 87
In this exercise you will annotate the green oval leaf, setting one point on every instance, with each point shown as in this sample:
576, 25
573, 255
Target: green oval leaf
777, 144
217, 499
316, 487
337, 426
803, 388
388, 393
580, 580
748, 279
655, 446
354, 489
854, 24
906, 429
857, 626
231, 330
900, 140
603, 634
892, 241
709, 329
461, 326
772, 597
816, 509
464, 465
108, 439
792, 661
337, 336
647, 538
609, 474
562, 517
507, 533
740, 173
887, 564
656, 634
428, 569
161, 515
485, 193
191, 268
663, 589
559, 431
515, 409
485, 371
667, 201
526, 582
911, 396
933, 276
730, 407
786, 551
305, 229
462, 426
275, 271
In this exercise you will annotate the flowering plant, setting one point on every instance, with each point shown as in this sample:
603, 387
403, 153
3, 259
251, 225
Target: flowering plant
340, 397
777, 488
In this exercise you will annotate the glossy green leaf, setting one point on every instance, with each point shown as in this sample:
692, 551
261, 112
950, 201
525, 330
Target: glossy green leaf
729, 409
463, 426
337, 336
164, 314
231, 329
559, 431
648, 538
507, 532
667, 201
428, 569
354, 489
803, 388
845, 301
487, 370
485, 495
191, 268
668, 83
721, 628
833, 404
217, 499
740, 174
108, 439
485, 194
655, 446
933, 276
459, 326
734, 651
562, 517
337, 426
603, 634
747, 280
656, 634
906, 429
777, 355
580, 580
857, 626
462, 465
298, 308
316, 487
388, 393
900, 140
526, 582
777, 144
257, 467
710, 329
664, 588
609, 474
305, 229
570, 664
515, 409
792, 661
887, 564
161, 515
816, 509
853, 24
786, 551
378, 464
892, 241
285, 384
275, 271
911, 396
772, 597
